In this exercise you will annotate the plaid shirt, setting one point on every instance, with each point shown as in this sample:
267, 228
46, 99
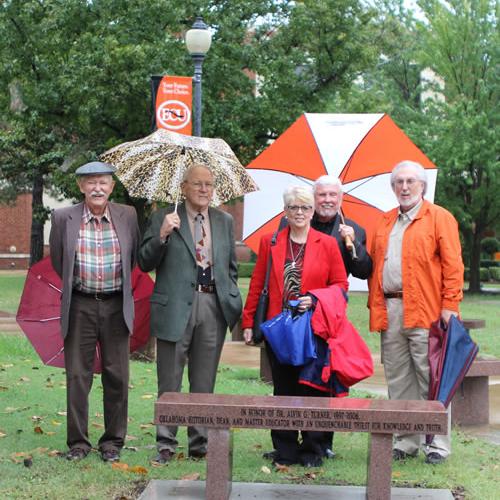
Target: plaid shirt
98, 266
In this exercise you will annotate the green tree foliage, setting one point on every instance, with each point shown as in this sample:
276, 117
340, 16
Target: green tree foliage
460, 42
75, 76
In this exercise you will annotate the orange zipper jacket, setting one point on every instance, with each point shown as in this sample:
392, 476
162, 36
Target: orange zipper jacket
432, 267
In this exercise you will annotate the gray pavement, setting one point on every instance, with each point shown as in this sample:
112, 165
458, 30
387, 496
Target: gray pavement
194, 490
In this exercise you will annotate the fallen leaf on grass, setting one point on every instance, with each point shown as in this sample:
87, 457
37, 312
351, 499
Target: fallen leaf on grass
49, 433
24, 379
180, 456
119, 466
147, 396
191, 477
130, 438
49, 385
99, 415
3, 388
131, 448
138, 469
257, 447
145, 426
282, 468
265, 469
62, 413
97, 425
310, 475
38, 430
2, 434
55, 422
40, 451
15, 457
396, 473
7, 365
55, 453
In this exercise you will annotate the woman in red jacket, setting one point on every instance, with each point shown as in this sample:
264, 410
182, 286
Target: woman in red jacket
302, 259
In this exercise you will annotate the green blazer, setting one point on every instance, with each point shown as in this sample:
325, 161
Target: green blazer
176, 272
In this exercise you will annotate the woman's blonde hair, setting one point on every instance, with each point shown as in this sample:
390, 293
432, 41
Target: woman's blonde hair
303, 194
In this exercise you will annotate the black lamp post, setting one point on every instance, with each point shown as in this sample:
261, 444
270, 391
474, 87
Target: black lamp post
198, 40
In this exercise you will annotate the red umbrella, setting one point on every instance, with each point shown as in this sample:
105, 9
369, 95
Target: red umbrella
39, 313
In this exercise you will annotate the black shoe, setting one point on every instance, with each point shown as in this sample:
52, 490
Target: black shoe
270, 455
110, 455
76, 454
400, 455
329, 453
197, 455
434, 458
164, 456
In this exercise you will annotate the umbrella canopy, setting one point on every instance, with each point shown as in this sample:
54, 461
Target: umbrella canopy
451, 353
360, 149
39, 313
153, 167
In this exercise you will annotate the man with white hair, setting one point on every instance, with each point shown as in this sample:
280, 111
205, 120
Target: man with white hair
417, 279
327, 219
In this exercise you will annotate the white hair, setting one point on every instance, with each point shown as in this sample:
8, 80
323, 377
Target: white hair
419, 172
327, 180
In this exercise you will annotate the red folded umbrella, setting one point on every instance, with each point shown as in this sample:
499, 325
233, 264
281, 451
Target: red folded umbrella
39, 313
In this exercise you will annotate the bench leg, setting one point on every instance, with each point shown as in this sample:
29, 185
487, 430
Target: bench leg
378, 484
471, 403
219, 464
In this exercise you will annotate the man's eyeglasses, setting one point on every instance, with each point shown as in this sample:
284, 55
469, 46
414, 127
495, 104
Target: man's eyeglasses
409, 182
200, 185
295, 208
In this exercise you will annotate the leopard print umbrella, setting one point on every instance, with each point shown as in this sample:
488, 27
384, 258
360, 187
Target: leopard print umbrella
153, 167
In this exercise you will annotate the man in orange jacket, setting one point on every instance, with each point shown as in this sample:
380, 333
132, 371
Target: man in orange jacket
417, 278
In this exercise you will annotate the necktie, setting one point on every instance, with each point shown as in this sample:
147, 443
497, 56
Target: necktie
200, 243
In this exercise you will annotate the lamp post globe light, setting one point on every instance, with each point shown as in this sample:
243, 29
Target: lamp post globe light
198, 40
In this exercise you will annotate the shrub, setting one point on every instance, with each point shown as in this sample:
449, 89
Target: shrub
495, 273
484, 274
490, 245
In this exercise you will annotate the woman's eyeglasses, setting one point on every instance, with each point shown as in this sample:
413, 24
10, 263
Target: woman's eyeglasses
294, 209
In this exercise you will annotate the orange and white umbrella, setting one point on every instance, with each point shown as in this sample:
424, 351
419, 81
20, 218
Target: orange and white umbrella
360, 149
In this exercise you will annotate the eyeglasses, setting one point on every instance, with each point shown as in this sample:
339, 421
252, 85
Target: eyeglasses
295, 208
200, 185
409, 182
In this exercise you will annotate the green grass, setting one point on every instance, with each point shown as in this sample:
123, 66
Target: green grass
11, 288
33, 396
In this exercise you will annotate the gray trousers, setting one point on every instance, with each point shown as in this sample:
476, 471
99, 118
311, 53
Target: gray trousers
201, 347
406, 366
93, 321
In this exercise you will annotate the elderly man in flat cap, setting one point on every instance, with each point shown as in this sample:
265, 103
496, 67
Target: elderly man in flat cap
93, 249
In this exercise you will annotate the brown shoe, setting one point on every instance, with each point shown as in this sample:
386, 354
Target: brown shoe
76, 454
110, 455
164, 456
197, 455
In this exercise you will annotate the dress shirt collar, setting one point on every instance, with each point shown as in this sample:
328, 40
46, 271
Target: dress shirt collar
88, 215
412, 213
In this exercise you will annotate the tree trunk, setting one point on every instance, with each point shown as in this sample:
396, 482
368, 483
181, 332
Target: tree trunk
37, 220
475, 263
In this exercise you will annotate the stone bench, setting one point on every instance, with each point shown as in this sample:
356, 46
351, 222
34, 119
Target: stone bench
471, 403
220, 413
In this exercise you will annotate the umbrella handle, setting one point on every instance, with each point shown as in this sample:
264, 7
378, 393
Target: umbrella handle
350, 246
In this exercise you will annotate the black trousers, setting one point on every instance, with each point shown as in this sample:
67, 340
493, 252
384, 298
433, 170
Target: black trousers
312, 444
93, 321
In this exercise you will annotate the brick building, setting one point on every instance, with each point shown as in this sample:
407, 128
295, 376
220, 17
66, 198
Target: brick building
15, 233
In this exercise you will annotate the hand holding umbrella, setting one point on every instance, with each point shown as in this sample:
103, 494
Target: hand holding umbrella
348, 239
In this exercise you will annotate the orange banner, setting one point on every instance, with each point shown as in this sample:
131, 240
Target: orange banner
174, 104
